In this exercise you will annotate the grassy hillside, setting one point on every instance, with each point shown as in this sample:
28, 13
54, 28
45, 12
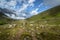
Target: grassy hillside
44, 26
50, 13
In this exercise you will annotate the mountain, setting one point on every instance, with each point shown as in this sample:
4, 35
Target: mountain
7, 11
48, 14
4, 19
44, 26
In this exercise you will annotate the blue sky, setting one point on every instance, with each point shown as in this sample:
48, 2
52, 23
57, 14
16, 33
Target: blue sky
27, 8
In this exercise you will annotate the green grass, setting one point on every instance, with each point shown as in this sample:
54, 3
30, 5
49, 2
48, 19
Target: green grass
39, 27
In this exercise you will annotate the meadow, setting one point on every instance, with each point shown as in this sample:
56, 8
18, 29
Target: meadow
44, 26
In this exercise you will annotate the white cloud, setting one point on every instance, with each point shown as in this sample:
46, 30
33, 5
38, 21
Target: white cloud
24, 14
9, 5
35, 12
20, 18
31, 1
14, 17
12, 4
51, 2
40, 4
23, 7
20, 11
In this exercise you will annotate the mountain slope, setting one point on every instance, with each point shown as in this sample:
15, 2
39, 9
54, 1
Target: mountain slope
39, 27
4, 19
50, 13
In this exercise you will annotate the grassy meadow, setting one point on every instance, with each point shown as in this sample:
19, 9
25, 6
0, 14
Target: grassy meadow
44, 26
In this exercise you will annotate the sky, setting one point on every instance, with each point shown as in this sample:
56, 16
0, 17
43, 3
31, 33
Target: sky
27, 8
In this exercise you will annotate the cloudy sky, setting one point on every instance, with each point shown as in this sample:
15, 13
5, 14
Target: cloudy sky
27, 8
